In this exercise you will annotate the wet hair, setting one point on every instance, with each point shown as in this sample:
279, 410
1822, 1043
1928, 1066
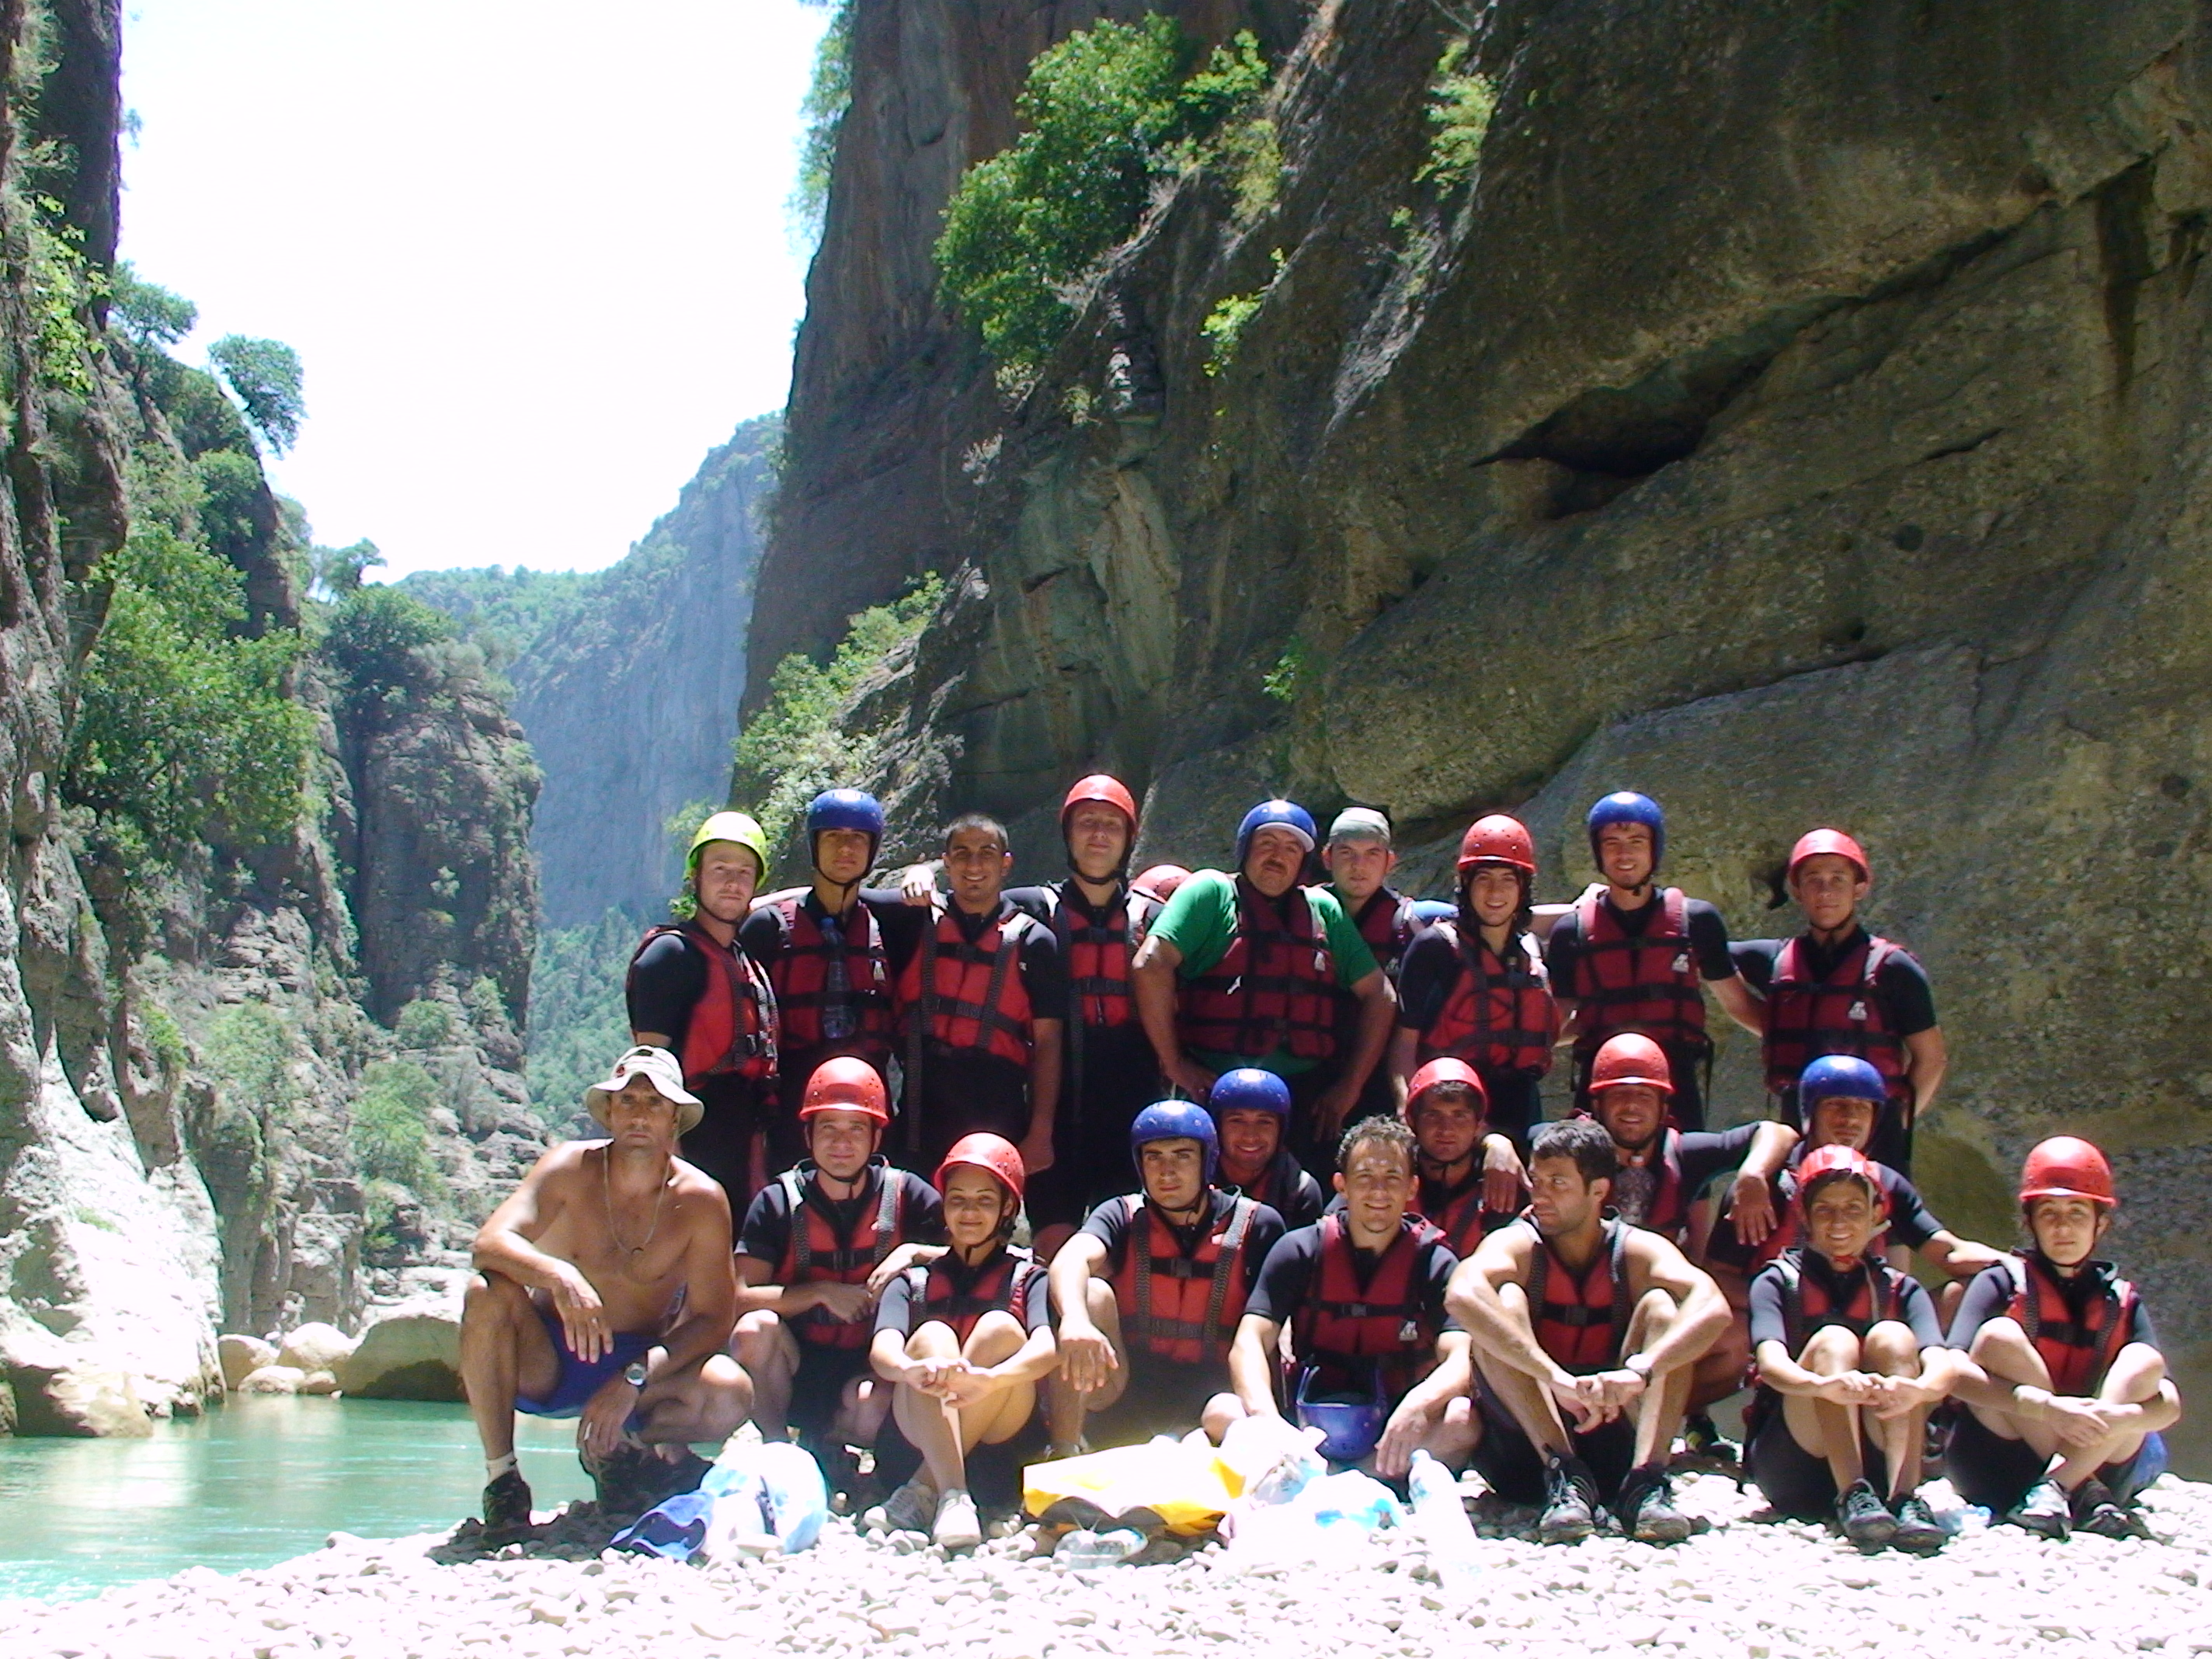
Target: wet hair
1584, 1139
982, 821
1368, 1130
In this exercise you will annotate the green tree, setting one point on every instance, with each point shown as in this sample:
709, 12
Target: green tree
1106, 112
391, 1126
148, 314
266, 376
374, 640
337, 571
822, 113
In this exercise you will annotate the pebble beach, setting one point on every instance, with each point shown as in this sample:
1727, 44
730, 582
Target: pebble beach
1745, 1587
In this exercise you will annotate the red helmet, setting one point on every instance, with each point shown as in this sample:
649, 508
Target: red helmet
2065, 1166
1631, 1057
1823, 1161
1498, 839
993, 1154
1107, 790
846, 1084
1446, 1070
1161, 881
1813, 842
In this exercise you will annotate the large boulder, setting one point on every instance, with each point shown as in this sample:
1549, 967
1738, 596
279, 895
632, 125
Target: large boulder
242, 1356
273, 1379
81, 1399
409, 1354
315, 1348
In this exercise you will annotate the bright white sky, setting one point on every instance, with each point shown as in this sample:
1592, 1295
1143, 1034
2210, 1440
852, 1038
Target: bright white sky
533, 255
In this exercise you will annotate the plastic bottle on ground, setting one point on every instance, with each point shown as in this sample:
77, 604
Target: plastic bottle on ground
1442, 1520
1084, 1551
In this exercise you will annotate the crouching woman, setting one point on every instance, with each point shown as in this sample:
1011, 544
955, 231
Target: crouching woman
966, 1338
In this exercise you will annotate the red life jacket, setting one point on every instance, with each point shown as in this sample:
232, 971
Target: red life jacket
1097, 950
1500, 1017
1183, 1308
971, 996
1877, 1293
732, 1027
1842, 1014
1273, 988
800, 974
1585, 1333
818, 1251
1464, 1220
1629, 982
1345, 1325
2076, 1352
1005, 1284
1668, 1213
1386, 922
1277, 1187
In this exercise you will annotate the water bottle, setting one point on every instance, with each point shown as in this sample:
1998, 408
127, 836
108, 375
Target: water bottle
1444, 1522
1084, 1551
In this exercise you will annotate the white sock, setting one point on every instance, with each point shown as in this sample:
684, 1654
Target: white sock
495, 1467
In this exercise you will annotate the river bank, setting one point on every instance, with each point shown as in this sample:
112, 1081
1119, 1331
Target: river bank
1743, 1587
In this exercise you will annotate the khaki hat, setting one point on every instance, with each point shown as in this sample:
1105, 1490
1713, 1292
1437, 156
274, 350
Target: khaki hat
660, 1068
1359, 823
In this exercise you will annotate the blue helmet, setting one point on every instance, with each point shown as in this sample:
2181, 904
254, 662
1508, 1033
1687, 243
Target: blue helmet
1626, 806
1350, 1429
1249, 1089
1286, 814
1175, 1120
1428, 910
845, 809
1839, 1077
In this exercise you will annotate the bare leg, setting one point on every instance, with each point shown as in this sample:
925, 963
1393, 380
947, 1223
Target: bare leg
2137, 1378
504, 1351
1824, 1429
998, 1337
1891, 1350
1220, 1411
1526, 1398
862, 1405
769, 1354
2001, 1349
1065, 1409
1720, 1370
925, 1421
1666, 1398
702, 1402
1452, 1441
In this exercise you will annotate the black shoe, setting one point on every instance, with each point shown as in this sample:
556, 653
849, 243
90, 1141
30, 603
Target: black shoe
1645, 1507
1935, 1448
2044, 1511
624, 1481
1916, 1528
1570, 1502
1865, 1519
659, 1479
2095, 1510
1702, 1439
507, 1510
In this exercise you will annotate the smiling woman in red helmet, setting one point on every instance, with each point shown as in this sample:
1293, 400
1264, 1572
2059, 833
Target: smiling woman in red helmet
966, 1338
1838, 989
2067, 1390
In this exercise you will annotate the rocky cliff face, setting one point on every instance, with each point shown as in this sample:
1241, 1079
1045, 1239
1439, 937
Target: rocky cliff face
1799, 416
631, 699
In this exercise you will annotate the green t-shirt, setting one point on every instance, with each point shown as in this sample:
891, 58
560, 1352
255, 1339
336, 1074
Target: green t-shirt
1201, 921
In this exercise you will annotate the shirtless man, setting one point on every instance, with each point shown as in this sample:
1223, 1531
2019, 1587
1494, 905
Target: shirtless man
605, 1291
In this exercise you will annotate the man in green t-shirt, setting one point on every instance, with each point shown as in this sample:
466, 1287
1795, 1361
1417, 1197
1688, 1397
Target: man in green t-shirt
1259, 958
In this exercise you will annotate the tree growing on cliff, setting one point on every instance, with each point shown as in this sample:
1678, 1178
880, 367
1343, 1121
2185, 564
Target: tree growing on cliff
266, 376
1106, 111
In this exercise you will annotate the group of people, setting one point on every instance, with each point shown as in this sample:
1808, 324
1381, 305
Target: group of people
1272, 1134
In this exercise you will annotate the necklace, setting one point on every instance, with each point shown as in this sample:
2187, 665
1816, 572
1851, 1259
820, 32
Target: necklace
607, 1195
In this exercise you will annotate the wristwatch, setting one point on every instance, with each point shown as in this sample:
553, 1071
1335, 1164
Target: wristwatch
634, 1373
1638, 1362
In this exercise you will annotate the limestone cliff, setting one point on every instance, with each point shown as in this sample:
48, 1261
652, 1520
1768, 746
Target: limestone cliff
1799, 414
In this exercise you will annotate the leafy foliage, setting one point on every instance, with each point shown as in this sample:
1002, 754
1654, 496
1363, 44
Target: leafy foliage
425, 1025
577, 1021
391, 1126
185, 731
374, 640
148, 314
62, 289
822, 113
266, 376
337, 571
1106, 111
1290, 672
507, 612
1461, 104
794, 746
1223, 327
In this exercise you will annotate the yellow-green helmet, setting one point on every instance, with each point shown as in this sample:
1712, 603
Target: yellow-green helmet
739, 827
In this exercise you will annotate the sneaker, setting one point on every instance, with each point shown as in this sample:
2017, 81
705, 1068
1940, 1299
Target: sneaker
1570, 1502
2095, 1510
1917, 1530
623, 1481
2044, 1511
507, 1510
1702, 1438
910, 1508
1865, 1519
955, 1527
1645, 1507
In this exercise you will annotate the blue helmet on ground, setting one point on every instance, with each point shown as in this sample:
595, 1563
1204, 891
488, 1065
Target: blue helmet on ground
1175, 1120
1249, 1088
1282, 814
1839, 1077
1350, 1429
1626, 806
845, 809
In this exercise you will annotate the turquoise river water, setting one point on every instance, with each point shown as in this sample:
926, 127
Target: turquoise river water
247, 1486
